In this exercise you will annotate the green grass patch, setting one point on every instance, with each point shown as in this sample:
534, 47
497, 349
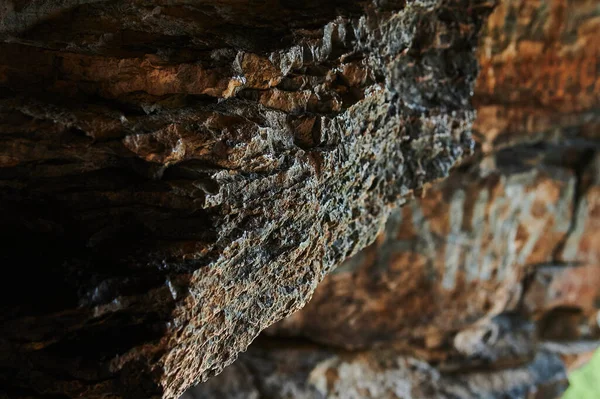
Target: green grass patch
584, 383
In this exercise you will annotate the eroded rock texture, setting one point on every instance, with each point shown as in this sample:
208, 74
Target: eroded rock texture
314, 372
489, 284
469, 293
175, 176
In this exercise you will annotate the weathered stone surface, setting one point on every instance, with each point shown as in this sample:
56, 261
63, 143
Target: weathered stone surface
176, 177
491, 270
456, 256
539, 75
512, 330
314, 372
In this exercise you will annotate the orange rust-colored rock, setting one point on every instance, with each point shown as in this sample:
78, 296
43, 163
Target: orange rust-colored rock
177, 176
539, 76
493, 269
515, 228
456, 256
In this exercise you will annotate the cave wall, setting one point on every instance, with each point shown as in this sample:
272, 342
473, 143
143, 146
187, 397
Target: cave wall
176, 176
487, 284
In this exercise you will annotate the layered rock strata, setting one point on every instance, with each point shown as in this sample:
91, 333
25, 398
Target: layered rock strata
177, 176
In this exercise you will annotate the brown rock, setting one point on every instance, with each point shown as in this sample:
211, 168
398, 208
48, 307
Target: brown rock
539, 75
174, 178
305, 372
445, 261
177, 177
497, 265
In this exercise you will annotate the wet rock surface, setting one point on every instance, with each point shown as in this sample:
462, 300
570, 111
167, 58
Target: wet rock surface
177, 176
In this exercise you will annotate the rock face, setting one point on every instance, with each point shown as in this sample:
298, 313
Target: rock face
468, 293
488, 285
457, 255
311, 372
539, 77
177, 176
